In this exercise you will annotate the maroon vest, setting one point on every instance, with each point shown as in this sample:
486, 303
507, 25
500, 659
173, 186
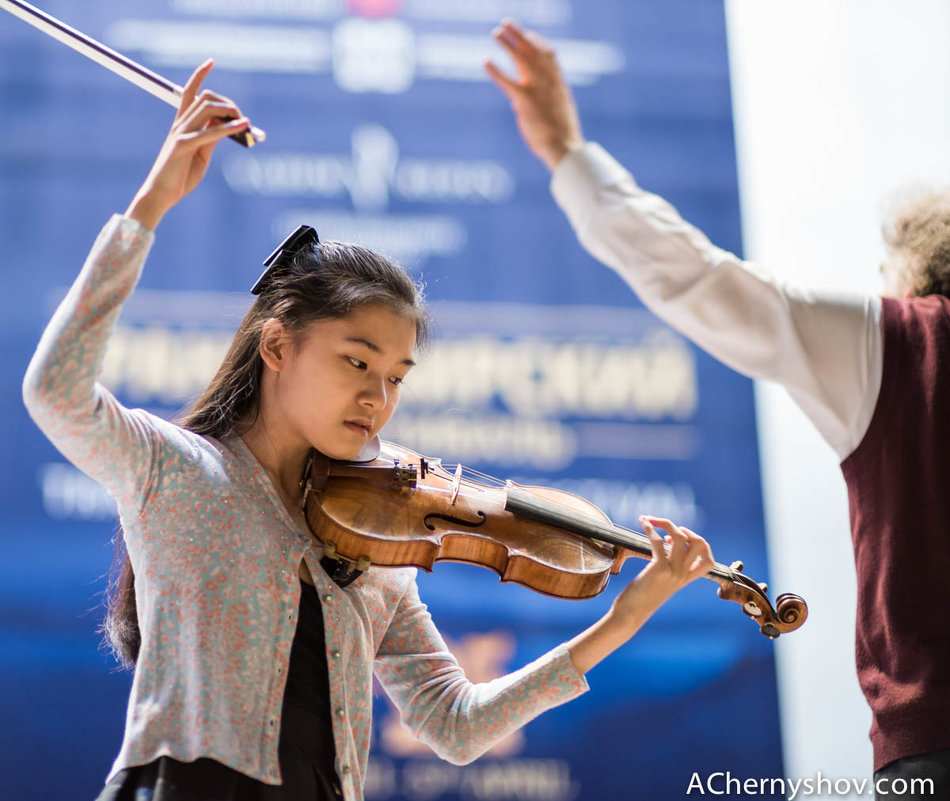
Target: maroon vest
899, 496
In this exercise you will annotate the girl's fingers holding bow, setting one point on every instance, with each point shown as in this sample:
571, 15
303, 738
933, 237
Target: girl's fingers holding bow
192, 87
214, 133
205, 111
193, 109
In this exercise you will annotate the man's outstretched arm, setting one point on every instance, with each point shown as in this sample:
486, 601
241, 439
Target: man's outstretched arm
824, 348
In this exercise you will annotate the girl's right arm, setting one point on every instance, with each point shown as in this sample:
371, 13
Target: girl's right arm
80, 416
61, 391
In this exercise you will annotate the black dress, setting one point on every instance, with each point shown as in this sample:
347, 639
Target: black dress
306, 747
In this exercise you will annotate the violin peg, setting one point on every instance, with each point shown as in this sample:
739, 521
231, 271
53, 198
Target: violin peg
737, 565
329, 550
362, 564
752, 609
763, 586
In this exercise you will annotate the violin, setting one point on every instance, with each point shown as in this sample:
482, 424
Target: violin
401, 509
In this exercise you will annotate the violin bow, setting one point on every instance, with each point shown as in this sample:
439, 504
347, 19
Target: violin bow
115, 62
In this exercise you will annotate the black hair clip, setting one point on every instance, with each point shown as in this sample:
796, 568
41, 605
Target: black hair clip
301, 239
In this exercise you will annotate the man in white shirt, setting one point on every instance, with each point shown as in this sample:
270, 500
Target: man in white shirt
866, 370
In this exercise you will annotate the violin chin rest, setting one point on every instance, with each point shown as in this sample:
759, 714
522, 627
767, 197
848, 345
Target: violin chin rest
369, 452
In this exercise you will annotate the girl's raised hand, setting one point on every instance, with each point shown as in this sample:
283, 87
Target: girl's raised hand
201, 122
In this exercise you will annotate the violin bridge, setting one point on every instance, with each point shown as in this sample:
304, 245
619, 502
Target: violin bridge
456, 484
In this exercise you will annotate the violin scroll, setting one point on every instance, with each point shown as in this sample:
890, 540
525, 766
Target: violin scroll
790, 610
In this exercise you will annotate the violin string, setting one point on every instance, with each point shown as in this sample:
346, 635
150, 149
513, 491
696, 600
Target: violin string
471, 472
581, 517
606, 531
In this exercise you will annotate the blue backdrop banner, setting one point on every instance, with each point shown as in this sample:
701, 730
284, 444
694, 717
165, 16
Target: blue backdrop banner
383, 129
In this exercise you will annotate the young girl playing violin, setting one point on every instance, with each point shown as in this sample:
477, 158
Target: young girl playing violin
253, 668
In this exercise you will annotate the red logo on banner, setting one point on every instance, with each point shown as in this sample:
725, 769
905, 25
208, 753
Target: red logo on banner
375, 8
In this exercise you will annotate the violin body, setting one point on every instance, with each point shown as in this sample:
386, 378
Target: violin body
440, 520
403, 509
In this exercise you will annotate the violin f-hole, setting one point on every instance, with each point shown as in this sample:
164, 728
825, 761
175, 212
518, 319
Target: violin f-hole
455, 521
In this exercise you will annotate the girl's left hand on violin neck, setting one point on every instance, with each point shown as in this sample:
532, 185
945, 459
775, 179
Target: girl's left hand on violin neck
681, 558
677, 560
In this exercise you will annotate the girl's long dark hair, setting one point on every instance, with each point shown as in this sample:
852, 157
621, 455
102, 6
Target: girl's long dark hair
326, 281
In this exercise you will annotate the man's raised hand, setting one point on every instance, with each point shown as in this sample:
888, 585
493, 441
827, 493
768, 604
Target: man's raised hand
541, 99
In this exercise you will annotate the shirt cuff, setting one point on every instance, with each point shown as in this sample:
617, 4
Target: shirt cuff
132, 230
564, 676
118, 254
123, 235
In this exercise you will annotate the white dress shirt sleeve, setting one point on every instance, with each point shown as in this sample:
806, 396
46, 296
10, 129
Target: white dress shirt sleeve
825, 348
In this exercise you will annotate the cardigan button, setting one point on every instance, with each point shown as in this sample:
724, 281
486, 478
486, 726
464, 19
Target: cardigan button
339, 711
335, 654
345, 770
327, 598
